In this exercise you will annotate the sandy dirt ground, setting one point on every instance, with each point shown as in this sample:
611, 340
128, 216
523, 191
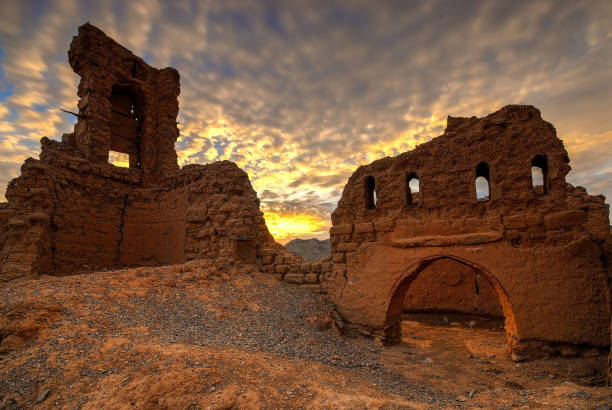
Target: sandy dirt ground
201, 335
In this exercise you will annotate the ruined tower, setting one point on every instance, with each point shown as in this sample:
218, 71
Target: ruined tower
125, 106
72, 211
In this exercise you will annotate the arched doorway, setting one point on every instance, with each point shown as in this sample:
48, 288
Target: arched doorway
397, 299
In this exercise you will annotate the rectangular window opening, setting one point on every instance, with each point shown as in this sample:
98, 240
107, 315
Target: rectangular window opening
119, 159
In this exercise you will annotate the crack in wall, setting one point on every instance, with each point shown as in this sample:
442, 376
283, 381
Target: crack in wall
120, 242
53, 225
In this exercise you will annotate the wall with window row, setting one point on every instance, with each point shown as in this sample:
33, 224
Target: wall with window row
482, 184
542, 240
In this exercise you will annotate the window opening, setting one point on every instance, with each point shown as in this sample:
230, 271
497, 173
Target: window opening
370, 189
125, 126
483, 189
413, 194
539, 174
119, 159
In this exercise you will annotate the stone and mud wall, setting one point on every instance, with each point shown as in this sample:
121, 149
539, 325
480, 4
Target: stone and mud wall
539, 246
125, 106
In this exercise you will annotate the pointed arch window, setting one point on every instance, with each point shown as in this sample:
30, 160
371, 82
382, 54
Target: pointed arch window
413, 189
482, 182
370, 192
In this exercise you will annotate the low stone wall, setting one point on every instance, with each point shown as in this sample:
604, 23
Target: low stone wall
291, 268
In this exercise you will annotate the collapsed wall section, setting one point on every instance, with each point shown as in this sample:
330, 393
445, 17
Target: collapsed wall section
223, 220
67, 214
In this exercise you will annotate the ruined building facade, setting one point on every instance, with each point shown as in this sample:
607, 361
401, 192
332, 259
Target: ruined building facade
539, 246
72, 211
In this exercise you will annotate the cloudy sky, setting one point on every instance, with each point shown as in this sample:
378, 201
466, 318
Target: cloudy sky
299, 93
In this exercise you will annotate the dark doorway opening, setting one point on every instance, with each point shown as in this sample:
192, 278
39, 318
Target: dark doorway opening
125, 126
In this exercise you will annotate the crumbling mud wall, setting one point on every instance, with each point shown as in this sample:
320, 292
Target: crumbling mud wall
125, 106
607, 261
5, 215
539, 245
224, 221
72, 211
152, 228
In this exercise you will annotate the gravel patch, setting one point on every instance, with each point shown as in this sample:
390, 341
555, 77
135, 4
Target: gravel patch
249, 313
280, 326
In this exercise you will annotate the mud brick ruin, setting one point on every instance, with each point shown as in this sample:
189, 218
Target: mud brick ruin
72, 211
543, 249
409, 233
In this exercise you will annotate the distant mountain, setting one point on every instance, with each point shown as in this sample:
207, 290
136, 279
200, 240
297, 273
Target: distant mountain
309, 249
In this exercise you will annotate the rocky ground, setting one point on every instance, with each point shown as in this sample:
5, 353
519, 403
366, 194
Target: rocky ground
201, 335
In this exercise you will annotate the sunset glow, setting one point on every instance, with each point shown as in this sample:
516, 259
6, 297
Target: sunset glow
285, 227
